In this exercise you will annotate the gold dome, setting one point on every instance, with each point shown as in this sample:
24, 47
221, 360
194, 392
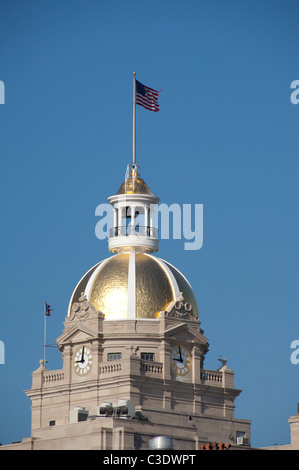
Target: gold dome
156, 283
134, 185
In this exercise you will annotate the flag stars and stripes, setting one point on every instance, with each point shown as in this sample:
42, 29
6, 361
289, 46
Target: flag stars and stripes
147, 97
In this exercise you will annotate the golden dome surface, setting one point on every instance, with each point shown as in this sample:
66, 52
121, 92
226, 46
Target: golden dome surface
110, 285
134, 185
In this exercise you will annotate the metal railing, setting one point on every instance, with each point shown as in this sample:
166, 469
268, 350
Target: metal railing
130, 230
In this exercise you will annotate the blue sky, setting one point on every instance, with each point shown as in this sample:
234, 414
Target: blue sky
226, 137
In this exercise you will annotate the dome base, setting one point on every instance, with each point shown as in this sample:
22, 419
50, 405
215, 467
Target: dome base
127, 244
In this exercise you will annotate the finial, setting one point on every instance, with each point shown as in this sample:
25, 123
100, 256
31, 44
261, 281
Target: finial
222, 360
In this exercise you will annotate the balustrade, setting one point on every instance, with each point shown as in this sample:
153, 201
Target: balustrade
110, 367
151, 367
131, 230
53, 376
211, 376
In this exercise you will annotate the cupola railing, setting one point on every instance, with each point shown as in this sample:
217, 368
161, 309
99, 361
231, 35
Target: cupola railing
130, 230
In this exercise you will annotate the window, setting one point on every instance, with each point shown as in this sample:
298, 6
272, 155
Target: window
147, 356
241, 438
52, 423
114, 356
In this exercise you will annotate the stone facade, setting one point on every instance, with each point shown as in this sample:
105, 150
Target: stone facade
132, 360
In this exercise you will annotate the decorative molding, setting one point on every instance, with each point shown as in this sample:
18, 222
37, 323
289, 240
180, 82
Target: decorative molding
83, 309
181, 309
133, 349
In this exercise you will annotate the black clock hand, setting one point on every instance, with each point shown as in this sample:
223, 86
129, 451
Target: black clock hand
82, 357
181, 359
80, 360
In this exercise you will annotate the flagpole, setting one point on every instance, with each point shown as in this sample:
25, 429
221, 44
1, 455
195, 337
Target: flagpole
134, 119
45, 334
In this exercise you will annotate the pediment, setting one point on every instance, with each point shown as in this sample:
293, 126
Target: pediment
185, 332
75, 334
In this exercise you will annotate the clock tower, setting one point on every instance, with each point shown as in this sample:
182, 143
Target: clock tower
133, 352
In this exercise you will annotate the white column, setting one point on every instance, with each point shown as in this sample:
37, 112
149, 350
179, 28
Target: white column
151, 218
114, 217
133, 220
120, 217
146, 213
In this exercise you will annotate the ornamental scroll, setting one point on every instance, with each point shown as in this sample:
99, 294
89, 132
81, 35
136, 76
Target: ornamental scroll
180, 309
83, 309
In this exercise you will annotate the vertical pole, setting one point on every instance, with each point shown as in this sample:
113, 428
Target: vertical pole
45, 335
134, 119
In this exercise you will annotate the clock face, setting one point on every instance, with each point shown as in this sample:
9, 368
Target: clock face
180, 360
82, 361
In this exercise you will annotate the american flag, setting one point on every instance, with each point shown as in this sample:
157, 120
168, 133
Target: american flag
147, 97
48, 309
